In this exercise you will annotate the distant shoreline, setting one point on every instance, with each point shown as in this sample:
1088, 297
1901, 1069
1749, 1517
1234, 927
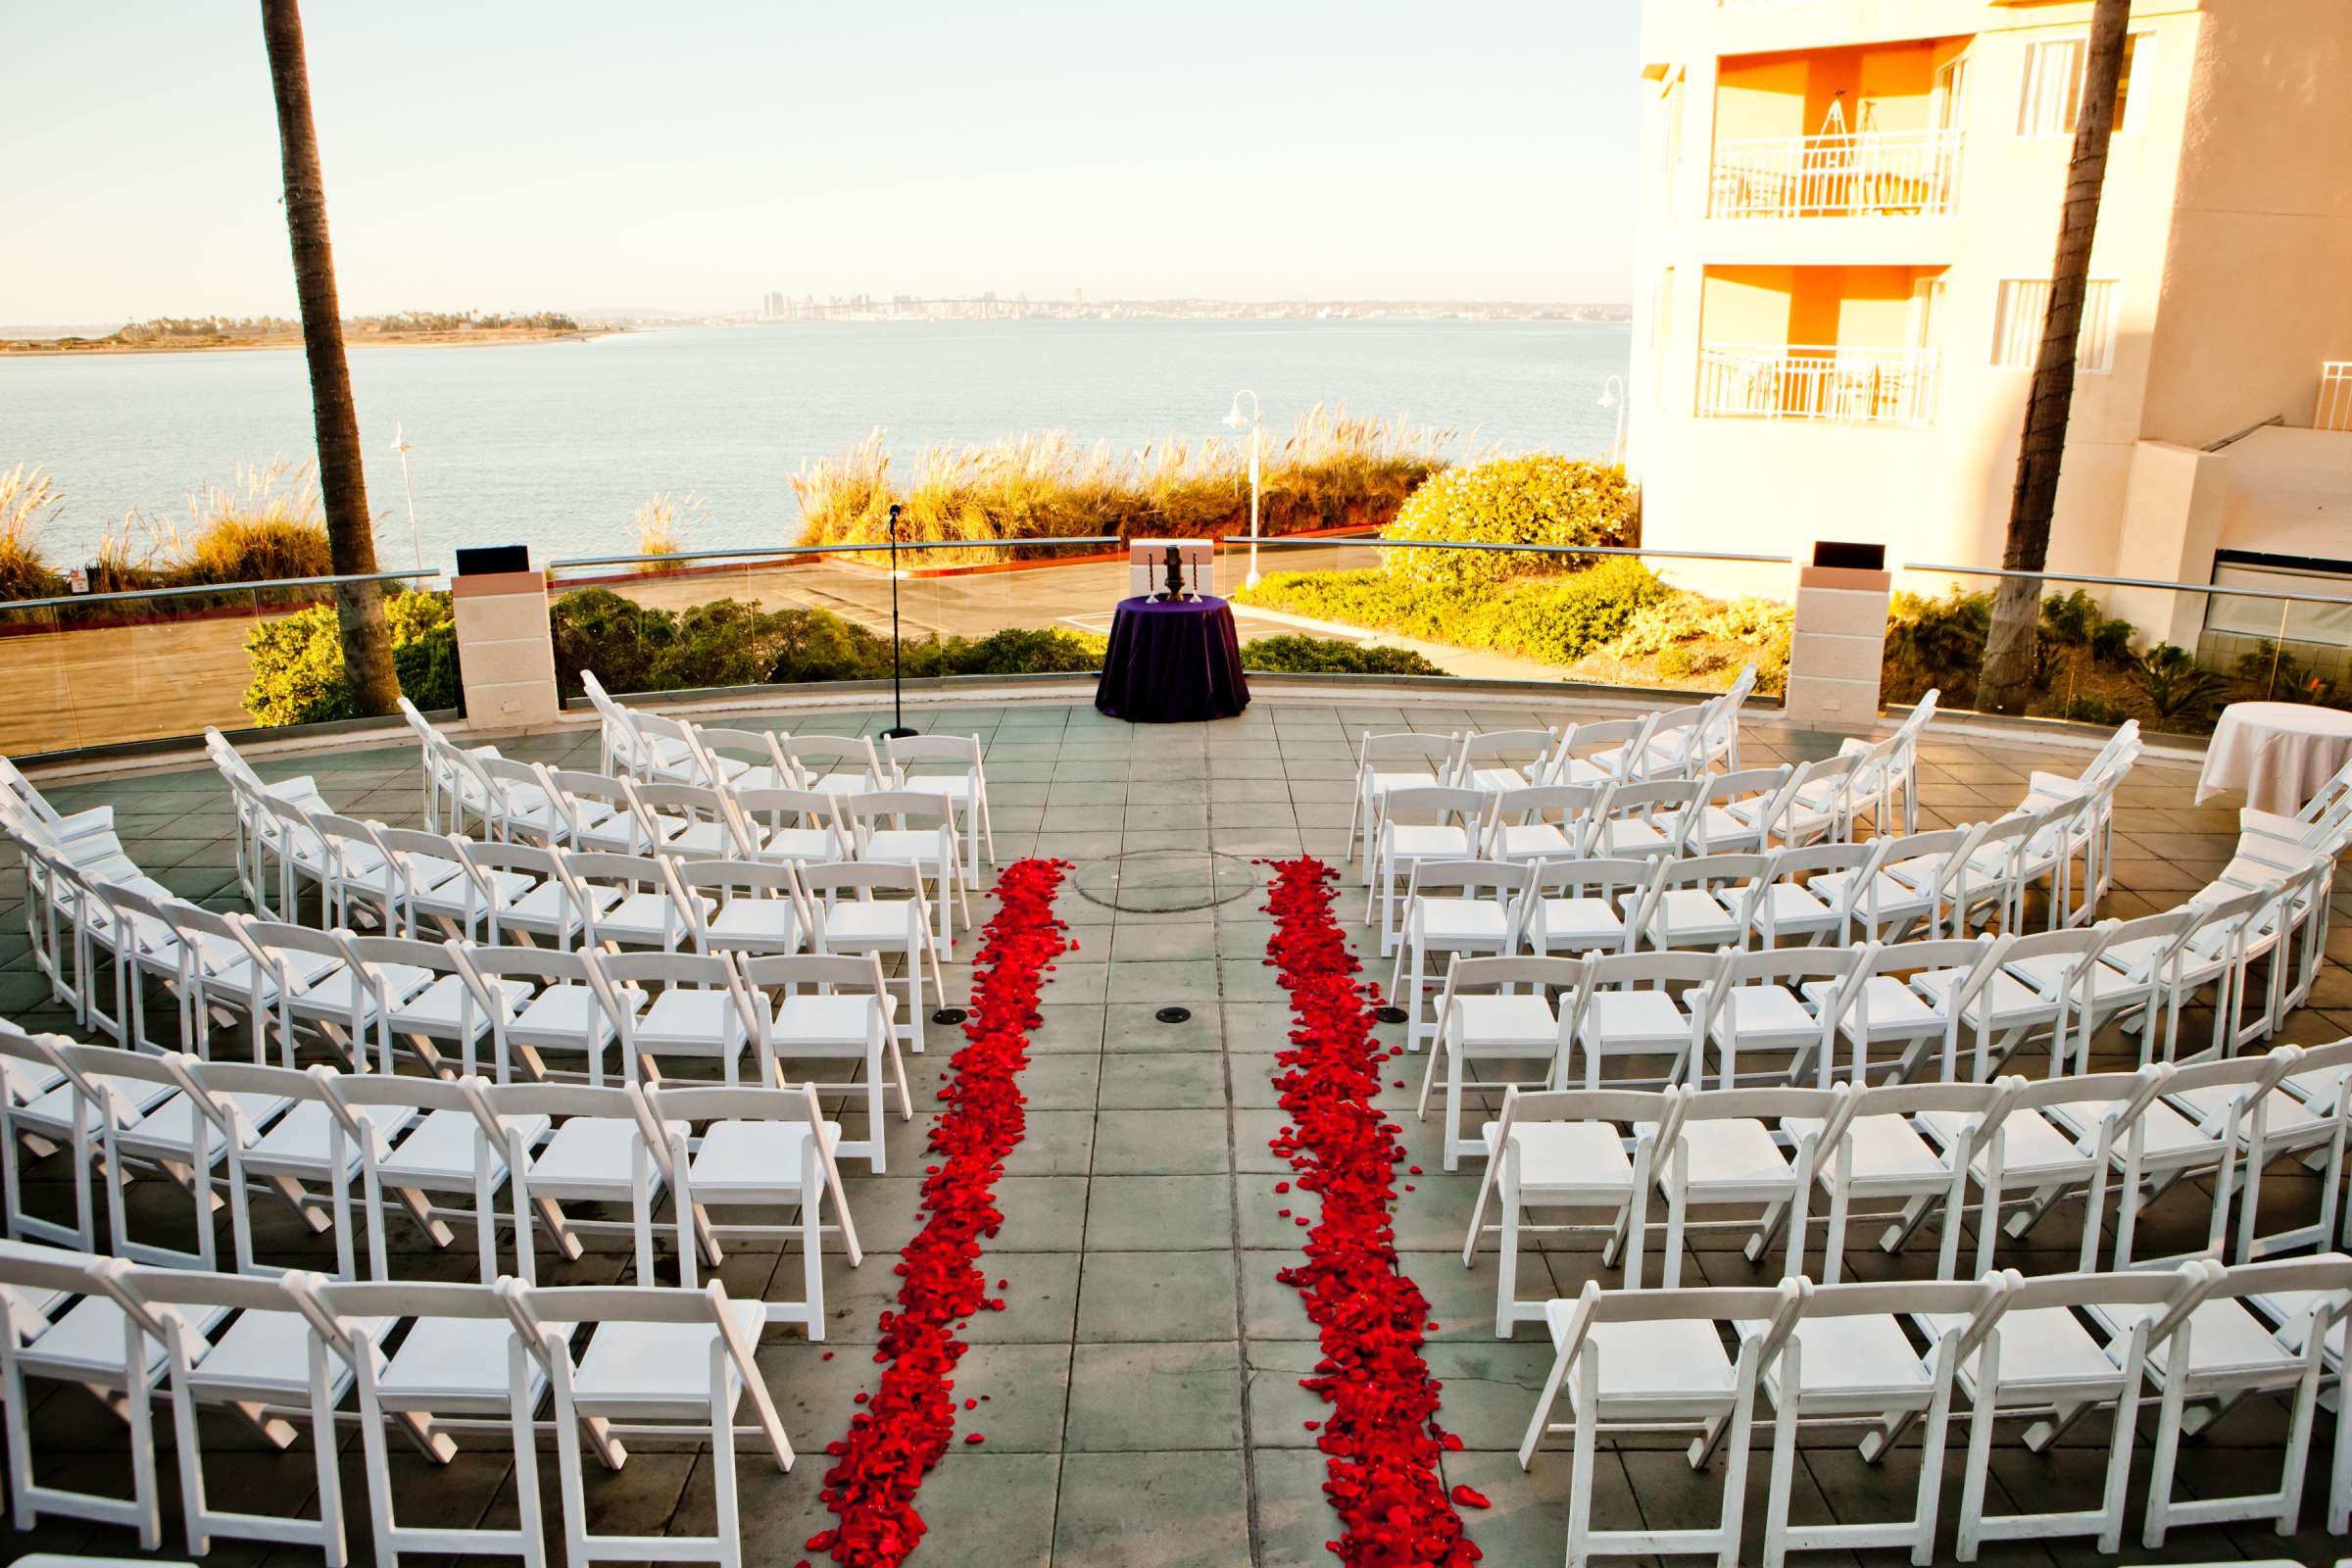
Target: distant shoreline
71, 347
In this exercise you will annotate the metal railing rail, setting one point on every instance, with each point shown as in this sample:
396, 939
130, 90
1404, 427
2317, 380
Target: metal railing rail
2228, 589
779, 552
1508, 550
1862, 173
1829, 382
70, 600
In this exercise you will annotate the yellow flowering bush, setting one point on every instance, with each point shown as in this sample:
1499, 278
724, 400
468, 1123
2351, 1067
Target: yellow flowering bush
1541, 499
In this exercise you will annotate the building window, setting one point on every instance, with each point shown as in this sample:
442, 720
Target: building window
2053, 86
2016, 318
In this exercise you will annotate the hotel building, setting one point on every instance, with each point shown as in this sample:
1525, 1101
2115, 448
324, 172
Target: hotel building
1848, 215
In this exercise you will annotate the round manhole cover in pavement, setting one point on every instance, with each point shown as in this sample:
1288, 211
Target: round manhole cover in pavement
1165, 881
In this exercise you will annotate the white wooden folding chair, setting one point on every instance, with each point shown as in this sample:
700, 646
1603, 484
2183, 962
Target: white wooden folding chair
181, 1136
1880, 1153
1598, 753
1708, 901
146, 948
764, 1147
309, 987
1888, 908
700, 1010
571, 1009
950, 766
878, 907
1452, 910
675, 1363
598, 812
2307, 1116
542, 908
308, 1159
748, 906
62, 1116
1809, 807
2017, 1147
106, 1341
1667, 750
2039, 990
1623, 1007
693, 819
451, 1148
832, 1008
526, 801
264, 1363
835, 764
624, 747
1417, 822
1498, 759
1542, 823
1725, 1155
1725, 820
1647, 1358
1497, 1009
740, 758
624, 901
2165, 1146
1579, 906
1782, 1002
2223, 1352
90, 822
602, 1147
917, 828
792, 825
675, 752
459, 1359
422, 1006
1566, 1150
1845, 1359
1810, 893
1649, 817
1383, 762
433, 888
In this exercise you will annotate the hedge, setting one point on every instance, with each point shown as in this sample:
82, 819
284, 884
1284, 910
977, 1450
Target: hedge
1552, 619
1536, 500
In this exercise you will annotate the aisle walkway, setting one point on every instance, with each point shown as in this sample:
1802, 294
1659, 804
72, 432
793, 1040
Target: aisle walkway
1141, 1394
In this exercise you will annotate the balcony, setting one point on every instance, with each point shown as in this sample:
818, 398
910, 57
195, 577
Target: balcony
1910, 174
1828, 384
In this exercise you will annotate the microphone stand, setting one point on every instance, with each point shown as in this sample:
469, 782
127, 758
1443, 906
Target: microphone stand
897, 704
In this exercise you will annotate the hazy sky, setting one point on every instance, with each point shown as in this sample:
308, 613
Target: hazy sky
693, 155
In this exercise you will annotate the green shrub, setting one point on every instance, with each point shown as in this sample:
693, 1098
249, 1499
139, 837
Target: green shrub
1329, 656
1553, 619
1536, 499
297, 660
2175, 687
2110, 641
1937, 642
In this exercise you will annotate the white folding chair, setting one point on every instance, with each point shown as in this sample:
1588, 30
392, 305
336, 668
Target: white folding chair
833, 1008
263, 1362
835, 764
1810, 893
1788, 1003
1598, 753
1880, 1153
1649, 1357
697, 821
623, 748
1708, 901
762, 1148
878, 907
1542, 823
624, 901
598, 812
308, 1159
1383, 762
1724, 821
1724, 1153
1623, 1007
951, 767
748, 906
1579, 906
2306, 1117
1499, 759
451, 1148
675, 1361
1844, 1359
740, 758
1563, 1150
1416, 823
1811, 806
106, 1341
1649, 817
915, 829
1453, 908
571, 1008
1496, 1010
700, 1010
2040, 988
602, 1147
542, 906
792, 825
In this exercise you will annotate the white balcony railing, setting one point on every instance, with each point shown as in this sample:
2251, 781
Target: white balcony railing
2333, 411
1836, 385
1905, 173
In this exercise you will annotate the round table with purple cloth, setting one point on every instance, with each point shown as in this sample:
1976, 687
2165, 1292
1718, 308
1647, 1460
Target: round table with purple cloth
1172, 662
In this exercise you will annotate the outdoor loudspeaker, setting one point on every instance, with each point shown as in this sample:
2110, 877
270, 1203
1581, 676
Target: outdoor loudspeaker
1838, 552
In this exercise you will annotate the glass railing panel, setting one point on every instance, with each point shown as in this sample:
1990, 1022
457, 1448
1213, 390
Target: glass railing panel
37, 709
1657, 619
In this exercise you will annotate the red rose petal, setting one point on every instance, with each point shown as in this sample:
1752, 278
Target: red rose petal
1469, 1497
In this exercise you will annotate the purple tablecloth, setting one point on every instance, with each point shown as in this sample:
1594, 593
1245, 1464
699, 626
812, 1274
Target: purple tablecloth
1172, 662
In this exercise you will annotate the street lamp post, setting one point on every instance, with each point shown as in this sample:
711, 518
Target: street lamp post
1612, 396
399, 443
898, 730
1233, 422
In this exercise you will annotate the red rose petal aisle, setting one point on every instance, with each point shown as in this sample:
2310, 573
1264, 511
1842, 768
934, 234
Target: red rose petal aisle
895, 1438
1381, 1440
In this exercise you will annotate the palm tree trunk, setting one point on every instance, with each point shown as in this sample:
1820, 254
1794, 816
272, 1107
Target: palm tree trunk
2009, 648
342, 482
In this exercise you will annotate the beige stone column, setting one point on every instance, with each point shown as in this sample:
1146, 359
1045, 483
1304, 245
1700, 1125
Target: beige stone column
506, 654
1840, 640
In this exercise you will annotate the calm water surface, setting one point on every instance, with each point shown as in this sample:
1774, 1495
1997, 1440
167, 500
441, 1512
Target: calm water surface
554, 444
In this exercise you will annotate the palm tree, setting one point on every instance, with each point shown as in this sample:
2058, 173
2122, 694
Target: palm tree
342, 482
2009, 648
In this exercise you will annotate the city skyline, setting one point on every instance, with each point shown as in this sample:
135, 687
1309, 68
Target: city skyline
475, 160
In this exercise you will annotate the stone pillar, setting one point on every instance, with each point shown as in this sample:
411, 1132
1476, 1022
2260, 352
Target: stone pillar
506, 654
1840, 639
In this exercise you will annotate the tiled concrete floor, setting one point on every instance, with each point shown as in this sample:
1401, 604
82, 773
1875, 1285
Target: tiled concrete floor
1142, 1401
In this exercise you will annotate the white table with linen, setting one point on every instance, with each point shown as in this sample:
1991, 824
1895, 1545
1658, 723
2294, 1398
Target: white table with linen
2278, 753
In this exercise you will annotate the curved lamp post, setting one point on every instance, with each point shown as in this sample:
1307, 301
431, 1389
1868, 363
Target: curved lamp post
1612, 396
1233, 422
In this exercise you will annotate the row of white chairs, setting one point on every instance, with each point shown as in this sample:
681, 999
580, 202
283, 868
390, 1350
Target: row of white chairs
595, 814
428, 1361
347, 1152
1890, 1357
2025, 1145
